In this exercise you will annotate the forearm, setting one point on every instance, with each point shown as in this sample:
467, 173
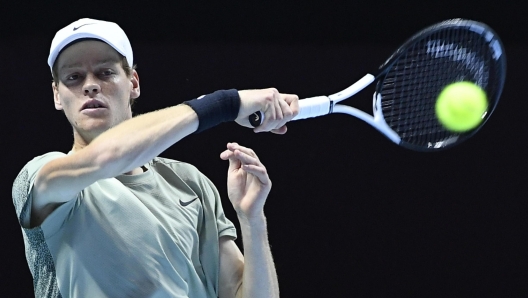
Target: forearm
259, 277
134, 142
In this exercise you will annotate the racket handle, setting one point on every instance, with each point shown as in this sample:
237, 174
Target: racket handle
308, 108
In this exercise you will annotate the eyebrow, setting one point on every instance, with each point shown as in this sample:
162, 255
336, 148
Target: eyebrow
100, 62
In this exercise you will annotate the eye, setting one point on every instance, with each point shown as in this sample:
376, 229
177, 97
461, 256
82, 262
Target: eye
107, 72
72, 77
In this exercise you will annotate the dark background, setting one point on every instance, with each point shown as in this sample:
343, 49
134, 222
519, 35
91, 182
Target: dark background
350, 213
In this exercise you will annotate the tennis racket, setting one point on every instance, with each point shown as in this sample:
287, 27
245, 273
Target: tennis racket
409, 82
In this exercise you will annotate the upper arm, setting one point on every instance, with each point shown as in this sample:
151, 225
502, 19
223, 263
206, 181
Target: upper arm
60, 180
231, 268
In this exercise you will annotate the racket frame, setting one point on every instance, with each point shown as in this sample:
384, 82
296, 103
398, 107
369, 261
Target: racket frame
323, 105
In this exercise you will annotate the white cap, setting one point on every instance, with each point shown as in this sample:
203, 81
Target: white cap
108, 32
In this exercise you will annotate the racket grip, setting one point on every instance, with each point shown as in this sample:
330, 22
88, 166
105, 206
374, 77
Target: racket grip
308, 108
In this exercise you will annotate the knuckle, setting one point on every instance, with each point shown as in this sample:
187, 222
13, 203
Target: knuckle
263, 170
295, 113
288, 113
269, 97
271, 94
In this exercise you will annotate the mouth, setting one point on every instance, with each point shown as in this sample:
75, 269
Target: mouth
93, 104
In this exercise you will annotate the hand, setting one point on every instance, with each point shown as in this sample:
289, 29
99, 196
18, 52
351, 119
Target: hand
248, 184
278, 109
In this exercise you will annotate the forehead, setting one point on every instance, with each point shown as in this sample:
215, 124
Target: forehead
86, 52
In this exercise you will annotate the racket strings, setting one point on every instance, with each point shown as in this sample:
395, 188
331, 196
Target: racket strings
410, 88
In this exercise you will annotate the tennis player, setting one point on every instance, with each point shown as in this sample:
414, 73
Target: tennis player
110, 218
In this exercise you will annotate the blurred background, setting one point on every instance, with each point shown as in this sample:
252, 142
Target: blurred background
350, 213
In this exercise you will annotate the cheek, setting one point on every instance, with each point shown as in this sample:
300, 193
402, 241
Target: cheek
66, 99
121, 90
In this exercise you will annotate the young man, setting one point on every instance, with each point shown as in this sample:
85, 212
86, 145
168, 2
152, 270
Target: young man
110, 218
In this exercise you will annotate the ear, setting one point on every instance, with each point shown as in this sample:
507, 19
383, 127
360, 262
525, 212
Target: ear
134, 79
56, 96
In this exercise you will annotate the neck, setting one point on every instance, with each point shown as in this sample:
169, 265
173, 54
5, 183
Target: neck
81, 140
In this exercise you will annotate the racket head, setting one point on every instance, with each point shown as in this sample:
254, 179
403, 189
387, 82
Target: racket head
409, 82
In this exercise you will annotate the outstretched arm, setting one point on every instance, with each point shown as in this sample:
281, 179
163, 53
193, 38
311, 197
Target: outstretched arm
252, 275
133, 143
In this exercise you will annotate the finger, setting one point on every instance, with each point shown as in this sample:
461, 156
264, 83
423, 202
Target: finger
258, 171
226, 154
279, 116
293, 102
290, 108
280, 131
270, 114
234, 146
246, 158
285, 112
234, 164
229, 154
278, 109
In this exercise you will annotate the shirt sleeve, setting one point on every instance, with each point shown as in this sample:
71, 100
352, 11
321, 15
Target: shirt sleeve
225, 226
23, 185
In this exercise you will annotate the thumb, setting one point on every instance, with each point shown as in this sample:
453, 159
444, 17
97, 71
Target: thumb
234, 162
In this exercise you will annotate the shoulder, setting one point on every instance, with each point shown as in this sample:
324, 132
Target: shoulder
44, 158
47, 156
25, 178
31, 167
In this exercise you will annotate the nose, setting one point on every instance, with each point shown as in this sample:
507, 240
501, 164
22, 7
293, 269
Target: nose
91, 86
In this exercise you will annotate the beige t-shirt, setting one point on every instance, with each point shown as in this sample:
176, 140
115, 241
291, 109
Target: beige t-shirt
149, 235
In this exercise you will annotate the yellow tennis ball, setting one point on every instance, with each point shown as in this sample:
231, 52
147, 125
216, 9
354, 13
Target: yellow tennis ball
461, 106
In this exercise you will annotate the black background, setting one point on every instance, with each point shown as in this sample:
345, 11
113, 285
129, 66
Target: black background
350, 213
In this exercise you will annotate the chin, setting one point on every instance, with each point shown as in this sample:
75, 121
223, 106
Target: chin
93, 128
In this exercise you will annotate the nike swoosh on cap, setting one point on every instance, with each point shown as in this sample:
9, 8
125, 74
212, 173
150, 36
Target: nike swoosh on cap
75, 28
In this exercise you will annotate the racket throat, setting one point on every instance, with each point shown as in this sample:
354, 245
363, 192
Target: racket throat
353, 89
